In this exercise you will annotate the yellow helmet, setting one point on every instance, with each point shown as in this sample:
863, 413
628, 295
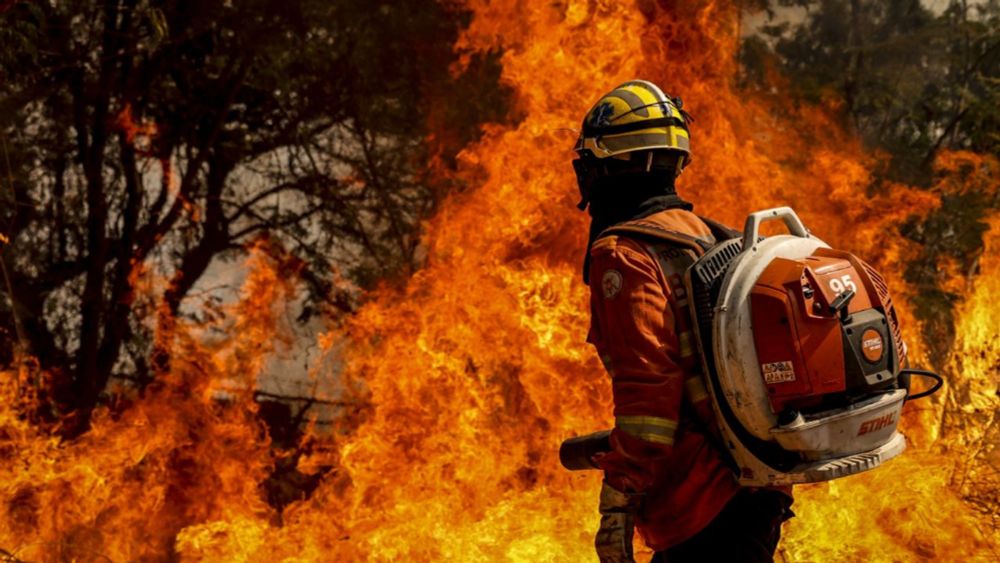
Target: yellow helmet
635, 128
635, 116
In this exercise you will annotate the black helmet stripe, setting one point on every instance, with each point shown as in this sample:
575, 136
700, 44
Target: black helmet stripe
634, 126
633, 100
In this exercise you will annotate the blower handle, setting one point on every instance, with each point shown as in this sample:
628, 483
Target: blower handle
751, 229
576, 453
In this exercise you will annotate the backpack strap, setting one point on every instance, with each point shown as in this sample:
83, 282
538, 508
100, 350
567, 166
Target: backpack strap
646, 230
655, 234
720, 231
640, 228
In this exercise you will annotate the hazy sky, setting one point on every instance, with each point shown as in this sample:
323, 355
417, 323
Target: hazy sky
753, 21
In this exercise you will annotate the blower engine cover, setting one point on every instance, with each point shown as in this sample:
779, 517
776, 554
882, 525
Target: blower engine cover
801, 354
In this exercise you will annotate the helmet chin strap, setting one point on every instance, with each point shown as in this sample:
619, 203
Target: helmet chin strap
585, 180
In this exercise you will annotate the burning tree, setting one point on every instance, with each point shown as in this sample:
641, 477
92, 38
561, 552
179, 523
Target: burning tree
175, 134
468, 373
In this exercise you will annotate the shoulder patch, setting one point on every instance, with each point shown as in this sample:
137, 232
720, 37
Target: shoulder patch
611, 283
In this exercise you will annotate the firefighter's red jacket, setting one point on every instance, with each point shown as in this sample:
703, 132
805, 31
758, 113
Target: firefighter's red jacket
642, 331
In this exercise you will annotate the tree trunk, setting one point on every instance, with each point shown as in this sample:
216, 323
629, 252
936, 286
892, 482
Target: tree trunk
89, 381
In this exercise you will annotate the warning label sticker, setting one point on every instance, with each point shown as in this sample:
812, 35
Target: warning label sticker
778, 372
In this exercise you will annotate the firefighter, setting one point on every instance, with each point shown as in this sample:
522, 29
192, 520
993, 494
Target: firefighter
665, 473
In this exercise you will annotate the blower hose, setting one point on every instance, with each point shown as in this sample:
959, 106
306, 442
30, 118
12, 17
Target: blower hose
907, 372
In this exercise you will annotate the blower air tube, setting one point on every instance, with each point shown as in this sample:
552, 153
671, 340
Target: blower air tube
575, 454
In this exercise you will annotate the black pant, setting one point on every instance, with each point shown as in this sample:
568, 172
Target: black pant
746, 531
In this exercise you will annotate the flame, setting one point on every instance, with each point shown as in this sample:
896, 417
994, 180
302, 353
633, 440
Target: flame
126, 488
139, 134
470, 376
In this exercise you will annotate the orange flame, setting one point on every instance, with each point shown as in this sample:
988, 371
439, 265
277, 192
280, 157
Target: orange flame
139, 134
475, 372
126, 488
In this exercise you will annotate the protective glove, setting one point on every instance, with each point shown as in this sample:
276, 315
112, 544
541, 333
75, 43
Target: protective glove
614, 538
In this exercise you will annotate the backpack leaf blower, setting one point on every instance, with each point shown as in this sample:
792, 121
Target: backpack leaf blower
802, 355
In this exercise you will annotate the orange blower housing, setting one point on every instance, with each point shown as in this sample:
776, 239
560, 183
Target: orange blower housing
829, 315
